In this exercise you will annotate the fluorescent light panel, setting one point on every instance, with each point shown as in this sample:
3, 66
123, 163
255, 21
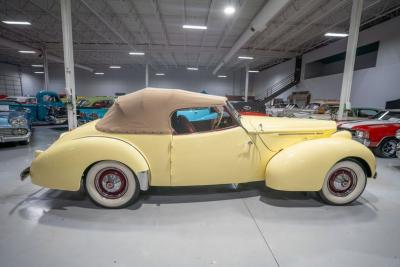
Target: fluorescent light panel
27, 51
99, 73
192, 68
115, 67
245, 57
37, 66
222, 76
160, 74
335, 34
11, 22
254, 71
229, 10
39, 72
136, 53
195, 27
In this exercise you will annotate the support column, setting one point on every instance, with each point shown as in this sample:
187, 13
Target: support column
246, 85
352, 41
68, 62
46, 70
147, 75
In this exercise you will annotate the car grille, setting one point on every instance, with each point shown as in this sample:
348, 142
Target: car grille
13, 132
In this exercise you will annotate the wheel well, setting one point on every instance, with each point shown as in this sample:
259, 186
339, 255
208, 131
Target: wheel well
387, 138
91, 165
363, 164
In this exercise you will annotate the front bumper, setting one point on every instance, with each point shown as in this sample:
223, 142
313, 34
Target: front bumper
16, 138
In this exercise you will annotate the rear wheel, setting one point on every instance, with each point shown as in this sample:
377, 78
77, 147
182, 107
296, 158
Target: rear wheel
387, 148
111, 184
344, 183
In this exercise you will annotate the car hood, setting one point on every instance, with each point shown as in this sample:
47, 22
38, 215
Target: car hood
351, 125
278, 133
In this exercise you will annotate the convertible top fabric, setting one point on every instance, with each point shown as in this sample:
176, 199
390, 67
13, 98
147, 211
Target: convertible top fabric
148, 111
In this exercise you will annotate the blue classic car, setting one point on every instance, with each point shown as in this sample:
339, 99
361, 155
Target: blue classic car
15, 124
47, 109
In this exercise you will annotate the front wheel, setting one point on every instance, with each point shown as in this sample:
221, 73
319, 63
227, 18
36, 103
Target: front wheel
111, 184
344, 183
387, 148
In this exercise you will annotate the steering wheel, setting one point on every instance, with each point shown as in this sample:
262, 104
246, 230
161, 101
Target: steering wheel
217, 121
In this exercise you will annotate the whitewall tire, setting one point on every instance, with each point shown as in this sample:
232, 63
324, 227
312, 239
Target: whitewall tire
111, 184
344, 183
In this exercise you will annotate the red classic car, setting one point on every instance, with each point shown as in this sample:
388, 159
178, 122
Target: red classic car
398, 145
378, 134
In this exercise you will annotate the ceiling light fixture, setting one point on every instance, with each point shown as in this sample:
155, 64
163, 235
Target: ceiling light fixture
335, 34
192, 68
26, 51
16, 22
194, 27
37, 66
254, 71
222, 76
229, 10
136, 53
39, 72
99, 73
245, 57
160, 74
115, 67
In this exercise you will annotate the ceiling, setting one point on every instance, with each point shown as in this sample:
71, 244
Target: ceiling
104, 31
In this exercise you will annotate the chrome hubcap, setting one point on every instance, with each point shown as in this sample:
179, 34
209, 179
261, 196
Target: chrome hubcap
389, 148
342, 182
111, 183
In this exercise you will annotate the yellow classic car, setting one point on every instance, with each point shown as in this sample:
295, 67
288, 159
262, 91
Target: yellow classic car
153, 137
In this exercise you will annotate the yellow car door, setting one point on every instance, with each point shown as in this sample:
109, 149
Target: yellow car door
215, 157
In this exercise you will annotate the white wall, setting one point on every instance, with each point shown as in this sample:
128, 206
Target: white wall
128, 80
267, 78
371, 87
30, 82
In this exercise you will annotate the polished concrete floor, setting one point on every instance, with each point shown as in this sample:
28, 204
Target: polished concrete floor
217, 226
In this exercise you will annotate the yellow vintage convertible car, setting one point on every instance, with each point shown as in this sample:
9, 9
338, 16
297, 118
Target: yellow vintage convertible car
168, 137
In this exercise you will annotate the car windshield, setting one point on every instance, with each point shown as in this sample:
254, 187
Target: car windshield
387, 115
234, 112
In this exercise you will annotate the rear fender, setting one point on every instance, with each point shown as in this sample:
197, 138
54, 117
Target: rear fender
64, 163
303, 166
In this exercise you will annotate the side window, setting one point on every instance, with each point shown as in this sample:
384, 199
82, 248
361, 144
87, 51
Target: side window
364, 113
197, 120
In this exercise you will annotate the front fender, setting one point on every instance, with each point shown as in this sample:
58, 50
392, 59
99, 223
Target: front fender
63, 164
303, 166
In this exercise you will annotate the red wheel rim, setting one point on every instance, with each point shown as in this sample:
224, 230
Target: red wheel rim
111, 183
342, 182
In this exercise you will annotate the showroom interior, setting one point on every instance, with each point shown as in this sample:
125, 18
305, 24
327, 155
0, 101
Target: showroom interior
200, 132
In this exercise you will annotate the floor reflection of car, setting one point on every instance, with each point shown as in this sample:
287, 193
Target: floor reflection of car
15, 124
378, 133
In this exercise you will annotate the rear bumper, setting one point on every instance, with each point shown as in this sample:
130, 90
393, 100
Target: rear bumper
6, 139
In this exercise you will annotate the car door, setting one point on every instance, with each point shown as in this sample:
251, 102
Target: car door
213, 156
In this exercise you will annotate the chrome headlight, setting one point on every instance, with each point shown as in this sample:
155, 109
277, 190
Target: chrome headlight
360, 134
398, 134
18, 121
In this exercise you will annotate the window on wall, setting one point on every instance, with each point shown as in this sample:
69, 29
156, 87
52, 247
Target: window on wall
365, 58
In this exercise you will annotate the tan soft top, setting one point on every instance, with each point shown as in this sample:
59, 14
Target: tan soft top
148, 111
